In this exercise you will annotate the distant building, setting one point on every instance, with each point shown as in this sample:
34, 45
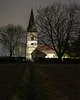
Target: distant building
33, 49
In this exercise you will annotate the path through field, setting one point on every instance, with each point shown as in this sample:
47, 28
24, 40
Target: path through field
64, 78
32, 88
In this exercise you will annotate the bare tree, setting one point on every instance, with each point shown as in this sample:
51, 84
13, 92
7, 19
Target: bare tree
75, 47
57, 25
10, 36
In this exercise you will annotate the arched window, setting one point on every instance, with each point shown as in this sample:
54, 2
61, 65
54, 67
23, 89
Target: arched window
32, 38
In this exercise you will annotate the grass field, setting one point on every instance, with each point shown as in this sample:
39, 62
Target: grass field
10, 76
36, 86
50, 82
65, 78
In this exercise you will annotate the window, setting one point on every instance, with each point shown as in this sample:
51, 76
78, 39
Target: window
32, 38
32, 43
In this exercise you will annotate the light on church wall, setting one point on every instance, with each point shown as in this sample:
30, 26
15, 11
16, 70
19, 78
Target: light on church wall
50, 56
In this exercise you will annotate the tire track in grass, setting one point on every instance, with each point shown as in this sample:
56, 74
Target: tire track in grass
44, 89
31, 84
36, 85
22, 92
26, 90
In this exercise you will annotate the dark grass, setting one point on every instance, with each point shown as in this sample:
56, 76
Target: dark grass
10, 76
36, 82
23, 89
65, 78
44, 89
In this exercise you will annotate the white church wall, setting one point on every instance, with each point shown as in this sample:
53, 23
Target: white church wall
50, 55
32, 43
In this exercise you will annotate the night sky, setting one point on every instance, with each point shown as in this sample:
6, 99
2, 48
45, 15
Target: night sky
18, 11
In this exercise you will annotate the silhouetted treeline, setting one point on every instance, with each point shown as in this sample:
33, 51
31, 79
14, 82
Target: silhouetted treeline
41, 60
56, 60
13, 59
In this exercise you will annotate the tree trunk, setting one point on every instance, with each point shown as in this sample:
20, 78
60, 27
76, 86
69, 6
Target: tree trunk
11, 53
60, 57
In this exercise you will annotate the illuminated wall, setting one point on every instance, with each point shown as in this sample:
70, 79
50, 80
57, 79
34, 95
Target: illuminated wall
49, 55
31, 44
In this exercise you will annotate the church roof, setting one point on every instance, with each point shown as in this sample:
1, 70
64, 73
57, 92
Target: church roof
45, 49
31, 26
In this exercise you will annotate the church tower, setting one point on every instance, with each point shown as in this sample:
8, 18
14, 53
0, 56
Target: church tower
31, 40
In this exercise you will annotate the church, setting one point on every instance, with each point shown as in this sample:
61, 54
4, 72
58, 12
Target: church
33, 49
